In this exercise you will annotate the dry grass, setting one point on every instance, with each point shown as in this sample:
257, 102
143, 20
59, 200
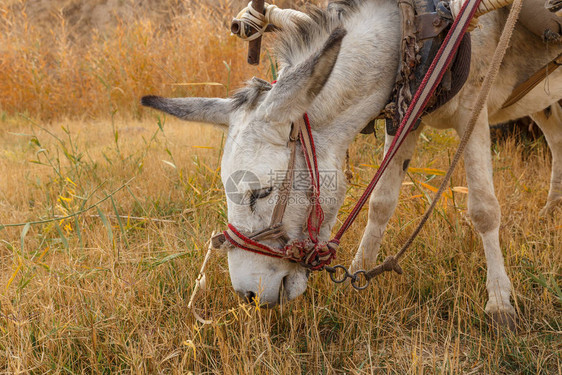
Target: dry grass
60, 70
94, 294
88, 59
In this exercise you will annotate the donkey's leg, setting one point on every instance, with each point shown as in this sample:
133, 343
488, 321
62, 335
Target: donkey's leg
383, 201
484, 211
550, 122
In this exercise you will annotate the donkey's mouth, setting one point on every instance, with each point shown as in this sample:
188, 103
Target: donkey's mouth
293, 285
283, 294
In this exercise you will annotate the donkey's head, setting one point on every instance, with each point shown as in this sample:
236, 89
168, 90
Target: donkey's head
258, 122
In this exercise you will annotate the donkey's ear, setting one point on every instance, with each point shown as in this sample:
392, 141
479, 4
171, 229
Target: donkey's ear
298, 86
210, 110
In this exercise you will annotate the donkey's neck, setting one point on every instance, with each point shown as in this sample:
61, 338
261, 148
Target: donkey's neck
358, 89
363, 77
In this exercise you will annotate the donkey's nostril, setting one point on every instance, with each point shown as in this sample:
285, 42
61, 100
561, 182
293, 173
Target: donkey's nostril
250, 297
247, 296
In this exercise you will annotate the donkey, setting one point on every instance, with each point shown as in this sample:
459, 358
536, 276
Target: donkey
343, 79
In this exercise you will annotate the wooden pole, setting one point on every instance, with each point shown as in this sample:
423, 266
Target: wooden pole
254, 47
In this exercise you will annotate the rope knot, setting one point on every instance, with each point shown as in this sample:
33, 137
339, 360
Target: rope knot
313, 255
257, 23
391, 264
250, 24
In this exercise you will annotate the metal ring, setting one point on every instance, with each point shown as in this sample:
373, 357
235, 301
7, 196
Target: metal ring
334, 277
355, 278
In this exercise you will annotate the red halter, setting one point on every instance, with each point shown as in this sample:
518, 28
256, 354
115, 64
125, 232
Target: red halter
310, 252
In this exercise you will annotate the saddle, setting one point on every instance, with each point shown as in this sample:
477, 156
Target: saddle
425, 24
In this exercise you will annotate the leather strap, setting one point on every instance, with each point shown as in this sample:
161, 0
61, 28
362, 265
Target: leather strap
310, 252
524, 88
287, 184
316, 214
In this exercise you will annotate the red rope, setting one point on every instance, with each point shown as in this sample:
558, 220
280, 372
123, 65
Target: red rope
316, 216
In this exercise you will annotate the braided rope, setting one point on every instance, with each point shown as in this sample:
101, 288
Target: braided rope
255, 20
257, 23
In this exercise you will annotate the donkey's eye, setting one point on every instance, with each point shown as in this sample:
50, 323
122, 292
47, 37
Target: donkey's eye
262, 193
258, 194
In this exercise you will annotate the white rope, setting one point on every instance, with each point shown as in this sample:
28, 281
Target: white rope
201, 283
285, 18
281, 18
484, 7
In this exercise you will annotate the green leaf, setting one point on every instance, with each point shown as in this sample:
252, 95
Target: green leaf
167, 259
24, 233
160, 123
272, 66
556, 288
106, 224
78, 231
62, 236
123, 234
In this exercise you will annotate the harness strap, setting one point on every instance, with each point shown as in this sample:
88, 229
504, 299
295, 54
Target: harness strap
239, 240
310, 252
524, 88
316, 214
287, 184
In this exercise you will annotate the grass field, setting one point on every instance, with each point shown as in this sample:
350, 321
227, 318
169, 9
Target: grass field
106, 290
95, 293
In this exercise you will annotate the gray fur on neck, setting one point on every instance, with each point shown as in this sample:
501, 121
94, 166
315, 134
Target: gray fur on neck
297, 41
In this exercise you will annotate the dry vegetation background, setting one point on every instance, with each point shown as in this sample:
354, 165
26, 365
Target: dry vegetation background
106, 291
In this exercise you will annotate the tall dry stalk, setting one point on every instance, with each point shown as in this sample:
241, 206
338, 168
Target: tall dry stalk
55, 68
